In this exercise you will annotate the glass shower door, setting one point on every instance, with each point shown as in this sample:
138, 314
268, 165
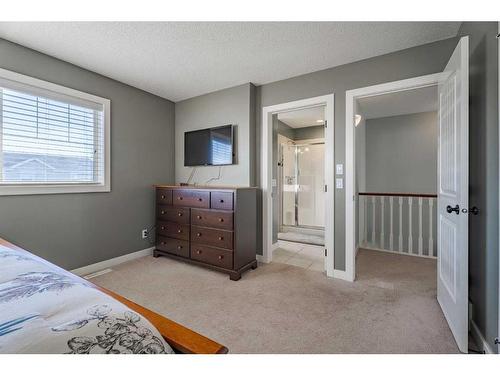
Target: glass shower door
289, 184
310, 187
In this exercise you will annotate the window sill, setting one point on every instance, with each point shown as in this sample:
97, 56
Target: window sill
36, 189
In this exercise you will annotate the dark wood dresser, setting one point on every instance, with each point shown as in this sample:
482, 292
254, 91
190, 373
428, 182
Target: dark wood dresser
208, 226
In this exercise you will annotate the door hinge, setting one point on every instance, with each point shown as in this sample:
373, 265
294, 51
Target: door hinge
326, 188
326, 252
326, 124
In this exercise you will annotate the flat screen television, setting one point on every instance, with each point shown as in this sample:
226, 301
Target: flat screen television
213, 146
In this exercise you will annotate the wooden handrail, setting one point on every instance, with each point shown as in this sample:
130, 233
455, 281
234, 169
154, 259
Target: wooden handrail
417, 195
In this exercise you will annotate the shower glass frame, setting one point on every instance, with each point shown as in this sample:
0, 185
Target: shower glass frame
296, 181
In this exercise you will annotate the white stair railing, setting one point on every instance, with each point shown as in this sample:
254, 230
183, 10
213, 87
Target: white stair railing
408, 217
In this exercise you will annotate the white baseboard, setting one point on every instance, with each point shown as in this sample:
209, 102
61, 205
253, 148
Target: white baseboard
91, 268
343, 275
261, 259
478, 337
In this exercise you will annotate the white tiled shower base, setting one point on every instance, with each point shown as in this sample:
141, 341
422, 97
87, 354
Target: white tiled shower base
302, 235
302, 238
306, 256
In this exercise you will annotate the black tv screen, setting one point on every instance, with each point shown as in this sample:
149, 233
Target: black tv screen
212, 146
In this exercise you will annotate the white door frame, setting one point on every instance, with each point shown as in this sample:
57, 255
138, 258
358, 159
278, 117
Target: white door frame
350, 161
498, 103
266, 173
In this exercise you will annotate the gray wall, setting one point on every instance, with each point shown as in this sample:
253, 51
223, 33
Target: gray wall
229, 106
483, 175
74, 230
311, 132
401, 154
279, 127
412, 62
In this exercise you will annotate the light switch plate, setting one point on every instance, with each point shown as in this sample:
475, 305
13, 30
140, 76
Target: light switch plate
339, 169
339, 183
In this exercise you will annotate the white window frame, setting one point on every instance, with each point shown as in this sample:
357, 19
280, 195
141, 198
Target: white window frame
64, 188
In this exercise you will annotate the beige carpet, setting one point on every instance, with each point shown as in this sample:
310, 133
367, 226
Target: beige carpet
279, 308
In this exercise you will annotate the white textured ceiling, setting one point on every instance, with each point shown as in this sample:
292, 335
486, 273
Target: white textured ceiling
399, 103
302, 118
179, 60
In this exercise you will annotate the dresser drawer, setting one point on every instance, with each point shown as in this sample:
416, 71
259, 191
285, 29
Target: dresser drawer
212, 218
163, 196
191, 198
211, 255
174, 230
173, 214
212, 237
221, 200
173, 246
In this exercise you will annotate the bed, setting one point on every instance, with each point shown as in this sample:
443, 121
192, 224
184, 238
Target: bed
46, 309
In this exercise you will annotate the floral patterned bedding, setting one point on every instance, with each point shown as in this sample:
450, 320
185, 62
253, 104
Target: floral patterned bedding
45, 309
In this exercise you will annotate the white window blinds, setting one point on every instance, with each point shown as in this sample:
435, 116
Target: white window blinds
47, 137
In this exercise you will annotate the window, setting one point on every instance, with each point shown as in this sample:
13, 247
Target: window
52, 139
222, 152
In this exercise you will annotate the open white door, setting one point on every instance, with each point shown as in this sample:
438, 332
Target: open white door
453, 193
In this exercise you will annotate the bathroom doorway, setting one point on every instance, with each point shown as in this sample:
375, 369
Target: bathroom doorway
292, 128
300, 190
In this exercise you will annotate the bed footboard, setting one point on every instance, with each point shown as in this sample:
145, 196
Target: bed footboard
180, 338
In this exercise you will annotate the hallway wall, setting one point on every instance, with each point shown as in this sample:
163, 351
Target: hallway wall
401, 153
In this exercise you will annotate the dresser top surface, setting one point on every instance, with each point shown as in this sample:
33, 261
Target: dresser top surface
202, 187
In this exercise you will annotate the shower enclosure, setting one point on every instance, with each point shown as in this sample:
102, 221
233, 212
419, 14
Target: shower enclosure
302, 185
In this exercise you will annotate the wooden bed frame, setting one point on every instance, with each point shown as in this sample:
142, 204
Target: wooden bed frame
180, 338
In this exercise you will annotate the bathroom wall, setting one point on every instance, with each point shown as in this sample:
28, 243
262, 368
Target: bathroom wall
310, 132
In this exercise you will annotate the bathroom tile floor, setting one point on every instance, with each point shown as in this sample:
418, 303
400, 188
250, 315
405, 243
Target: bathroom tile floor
306, 256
